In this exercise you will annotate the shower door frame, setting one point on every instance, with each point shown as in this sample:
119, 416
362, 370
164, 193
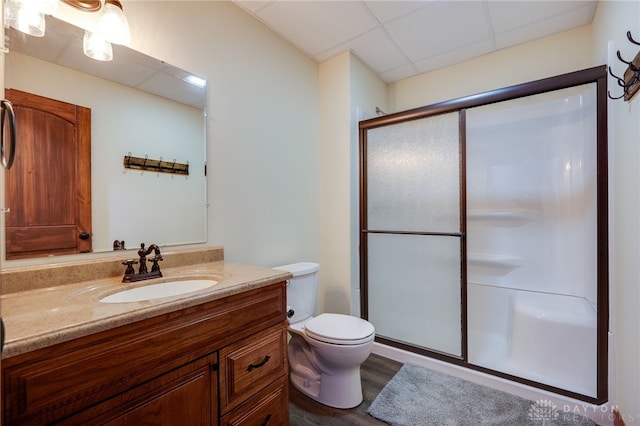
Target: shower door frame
597, 75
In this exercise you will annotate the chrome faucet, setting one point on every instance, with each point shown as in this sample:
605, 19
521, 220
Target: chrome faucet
143, 274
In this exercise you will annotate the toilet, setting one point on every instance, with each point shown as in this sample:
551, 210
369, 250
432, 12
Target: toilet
326, 351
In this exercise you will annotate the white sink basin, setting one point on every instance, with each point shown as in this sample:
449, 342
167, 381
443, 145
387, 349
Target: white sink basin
157, 291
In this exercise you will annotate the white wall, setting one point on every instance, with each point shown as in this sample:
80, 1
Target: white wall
262, 151
611, 23
349, 91
367, 92
333, 285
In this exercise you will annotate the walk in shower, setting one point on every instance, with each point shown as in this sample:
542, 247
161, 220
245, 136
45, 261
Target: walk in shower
484, 232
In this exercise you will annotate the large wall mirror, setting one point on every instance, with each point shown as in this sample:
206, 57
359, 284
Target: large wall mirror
140, 106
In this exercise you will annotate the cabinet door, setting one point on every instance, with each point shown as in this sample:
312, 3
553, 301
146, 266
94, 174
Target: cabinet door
185, 396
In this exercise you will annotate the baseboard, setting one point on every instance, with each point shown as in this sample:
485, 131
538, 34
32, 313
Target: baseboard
617, 418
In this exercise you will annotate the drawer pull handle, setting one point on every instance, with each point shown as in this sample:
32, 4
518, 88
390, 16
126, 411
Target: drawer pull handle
258, 365
266, 420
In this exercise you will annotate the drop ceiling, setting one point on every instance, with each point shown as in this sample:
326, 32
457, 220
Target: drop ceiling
400, 39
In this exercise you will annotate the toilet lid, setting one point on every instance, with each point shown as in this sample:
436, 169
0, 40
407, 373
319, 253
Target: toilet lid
339, 329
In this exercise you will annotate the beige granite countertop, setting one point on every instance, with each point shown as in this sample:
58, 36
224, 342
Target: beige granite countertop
43, 317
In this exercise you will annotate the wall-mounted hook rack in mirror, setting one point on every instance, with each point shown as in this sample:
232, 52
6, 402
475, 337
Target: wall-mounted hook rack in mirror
149, 165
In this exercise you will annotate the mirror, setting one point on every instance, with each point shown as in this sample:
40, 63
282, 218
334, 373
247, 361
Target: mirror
140, 107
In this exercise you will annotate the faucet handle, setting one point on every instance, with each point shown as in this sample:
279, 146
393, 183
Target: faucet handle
129, 263
155, 267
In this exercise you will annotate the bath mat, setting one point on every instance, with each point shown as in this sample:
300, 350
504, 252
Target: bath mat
419, 396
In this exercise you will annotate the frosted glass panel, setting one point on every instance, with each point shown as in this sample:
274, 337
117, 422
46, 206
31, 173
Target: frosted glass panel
413, 175
414, 290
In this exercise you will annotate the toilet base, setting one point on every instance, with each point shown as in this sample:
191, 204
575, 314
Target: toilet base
328, 373
337, 391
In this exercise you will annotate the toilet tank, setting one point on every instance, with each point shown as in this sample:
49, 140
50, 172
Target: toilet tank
301, 289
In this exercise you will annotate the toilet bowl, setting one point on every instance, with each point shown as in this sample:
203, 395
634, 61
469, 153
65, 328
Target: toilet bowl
326, 351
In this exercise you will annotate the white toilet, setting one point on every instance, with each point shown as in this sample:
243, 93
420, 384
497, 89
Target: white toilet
325, 352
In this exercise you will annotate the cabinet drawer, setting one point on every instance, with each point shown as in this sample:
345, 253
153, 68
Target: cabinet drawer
251, 364
269, 407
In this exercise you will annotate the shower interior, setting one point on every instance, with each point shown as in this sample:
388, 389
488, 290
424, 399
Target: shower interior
532, 232
519, 296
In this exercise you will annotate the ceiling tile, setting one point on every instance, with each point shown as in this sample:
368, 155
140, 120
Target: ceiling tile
509, 15
252, 5
133, 75
167, 86
401, 73
317, 26
373, 48
49, 50
456, 56
430, 31
399, 38
543, 28
385, 11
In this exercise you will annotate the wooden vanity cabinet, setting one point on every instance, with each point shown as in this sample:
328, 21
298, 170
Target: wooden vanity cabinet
225, 358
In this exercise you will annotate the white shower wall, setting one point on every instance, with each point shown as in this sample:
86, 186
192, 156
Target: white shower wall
531, 237
531, 177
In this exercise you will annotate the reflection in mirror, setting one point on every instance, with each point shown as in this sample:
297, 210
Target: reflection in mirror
139, 106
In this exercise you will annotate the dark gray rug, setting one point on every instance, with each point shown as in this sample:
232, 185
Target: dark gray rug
419, 396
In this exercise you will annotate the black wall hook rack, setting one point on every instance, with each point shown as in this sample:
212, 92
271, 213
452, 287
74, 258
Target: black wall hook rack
630, 81
149, 165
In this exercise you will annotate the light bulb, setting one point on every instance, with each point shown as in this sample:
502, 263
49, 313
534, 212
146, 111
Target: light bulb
113, 23
96, 47
25, 17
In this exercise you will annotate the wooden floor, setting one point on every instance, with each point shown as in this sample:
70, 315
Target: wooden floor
375, 371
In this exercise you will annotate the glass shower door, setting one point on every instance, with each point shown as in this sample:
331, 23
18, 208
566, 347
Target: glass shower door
532, 237
411, 231
484, 232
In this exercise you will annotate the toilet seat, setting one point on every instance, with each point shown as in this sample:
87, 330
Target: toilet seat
339, 329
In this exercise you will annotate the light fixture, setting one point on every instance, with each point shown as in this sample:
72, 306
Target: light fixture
113, 24
27, 16
27, 20
86, 5
96, 47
